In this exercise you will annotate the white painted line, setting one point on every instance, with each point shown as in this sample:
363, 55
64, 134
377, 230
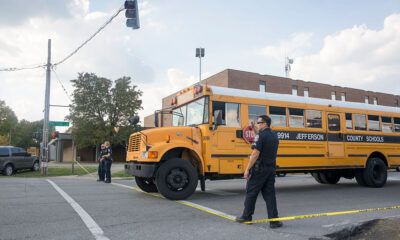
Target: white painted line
86, 218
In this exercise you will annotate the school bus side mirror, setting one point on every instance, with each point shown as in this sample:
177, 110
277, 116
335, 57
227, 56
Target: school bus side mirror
133, 120
218, 119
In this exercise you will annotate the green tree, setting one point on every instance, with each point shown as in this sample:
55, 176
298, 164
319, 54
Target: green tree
8, 120
23, 133
99, 105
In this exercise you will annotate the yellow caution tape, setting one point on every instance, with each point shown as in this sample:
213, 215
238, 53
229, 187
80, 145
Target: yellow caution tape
322, 214
84, 168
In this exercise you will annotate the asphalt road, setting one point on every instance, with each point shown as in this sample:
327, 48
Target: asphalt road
32, 208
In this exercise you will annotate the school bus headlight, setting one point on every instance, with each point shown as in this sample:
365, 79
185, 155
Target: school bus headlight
153, 154
149, 154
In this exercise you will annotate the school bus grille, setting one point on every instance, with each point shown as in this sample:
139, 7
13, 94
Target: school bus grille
134, 143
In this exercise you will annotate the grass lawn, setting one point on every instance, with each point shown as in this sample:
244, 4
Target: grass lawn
56, 171
121, 174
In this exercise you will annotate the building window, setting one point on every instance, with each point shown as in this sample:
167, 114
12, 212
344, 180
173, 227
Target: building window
343, 97
262, 86
294, 90
306, 92
366, 99
333, 95
396, 103
375, 101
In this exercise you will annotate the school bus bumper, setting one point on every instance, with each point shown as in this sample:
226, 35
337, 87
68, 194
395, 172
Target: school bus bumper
140, 169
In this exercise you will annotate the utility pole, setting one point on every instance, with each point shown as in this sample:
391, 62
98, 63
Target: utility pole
45, 154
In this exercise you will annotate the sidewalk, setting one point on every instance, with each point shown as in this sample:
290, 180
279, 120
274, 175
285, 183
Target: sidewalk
115, 167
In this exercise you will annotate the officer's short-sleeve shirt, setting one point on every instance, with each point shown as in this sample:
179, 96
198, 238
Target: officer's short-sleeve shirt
108, 151
267, 143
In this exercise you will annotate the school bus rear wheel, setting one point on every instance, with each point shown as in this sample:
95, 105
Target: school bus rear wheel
146, 184
176, 179
375, 173
330, 177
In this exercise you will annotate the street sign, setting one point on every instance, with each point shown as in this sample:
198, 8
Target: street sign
248, 134
60, 124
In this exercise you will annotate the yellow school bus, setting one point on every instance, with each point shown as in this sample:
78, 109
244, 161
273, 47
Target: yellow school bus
33, 151
329, 139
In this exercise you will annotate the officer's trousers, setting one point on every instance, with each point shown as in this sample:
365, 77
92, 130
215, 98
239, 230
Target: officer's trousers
107, 166
263, 181
101, 171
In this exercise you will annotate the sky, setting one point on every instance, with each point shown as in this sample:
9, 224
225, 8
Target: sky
349, 43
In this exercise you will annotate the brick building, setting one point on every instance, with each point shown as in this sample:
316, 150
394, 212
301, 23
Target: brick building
230, 78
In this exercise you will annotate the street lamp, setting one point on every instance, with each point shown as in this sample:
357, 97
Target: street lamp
200, 54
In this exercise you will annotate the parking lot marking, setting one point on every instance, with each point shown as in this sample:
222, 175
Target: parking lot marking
187, 203
86, 218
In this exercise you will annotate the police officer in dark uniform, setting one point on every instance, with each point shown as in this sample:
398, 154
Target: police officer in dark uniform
260, 172
101, 170
107, 161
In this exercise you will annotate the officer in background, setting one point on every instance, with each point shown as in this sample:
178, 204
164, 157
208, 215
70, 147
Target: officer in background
107, 161
101, 169
260, 172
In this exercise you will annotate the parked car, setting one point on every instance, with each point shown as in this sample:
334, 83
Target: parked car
15, 158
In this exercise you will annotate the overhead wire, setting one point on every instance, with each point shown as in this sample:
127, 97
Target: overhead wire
62, 85
91, 37
13, 69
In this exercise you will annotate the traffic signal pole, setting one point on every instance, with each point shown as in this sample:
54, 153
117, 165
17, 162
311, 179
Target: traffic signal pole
45, 154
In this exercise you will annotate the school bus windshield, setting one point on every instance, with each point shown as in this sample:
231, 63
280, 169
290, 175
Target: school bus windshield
193, 113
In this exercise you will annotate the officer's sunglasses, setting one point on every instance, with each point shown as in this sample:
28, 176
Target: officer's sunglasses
260, 122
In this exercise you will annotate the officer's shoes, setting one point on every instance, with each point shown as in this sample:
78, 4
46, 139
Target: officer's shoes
276, 224
107, 181
100, 180
243, 219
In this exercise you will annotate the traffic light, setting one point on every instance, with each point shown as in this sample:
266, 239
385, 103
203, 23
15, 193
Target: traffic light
37, 135
55, 134
132, 14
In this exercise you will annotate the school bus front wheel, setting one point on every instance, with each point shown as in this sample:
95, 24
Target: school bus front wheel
176, 179
146, 184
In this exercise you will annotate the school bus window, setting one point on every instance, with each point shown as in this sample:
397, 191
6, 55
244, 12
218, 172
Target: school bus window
296, 118
333, 122
232, 114
360, 122
314, 119
373, 123
255, 111
219, 106
349, 121
179, 116
278, 116
397, 124
195, 112
387, 124
206, 115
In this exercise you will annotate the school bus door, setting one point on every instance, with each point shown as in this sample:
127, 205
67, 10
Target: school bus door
224, 140
335, 135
